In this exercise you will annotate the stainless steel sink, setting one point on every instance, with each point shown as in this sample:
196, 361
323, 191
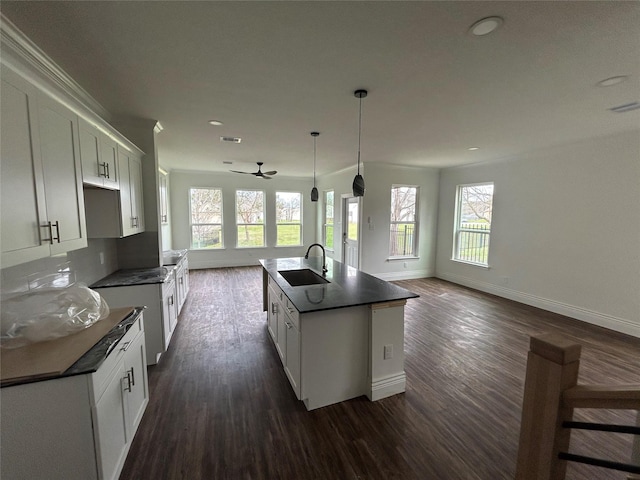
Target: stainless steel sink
297, 278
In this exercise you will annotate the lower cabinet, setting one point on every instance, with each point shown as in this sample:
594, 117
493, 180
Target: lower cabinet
169, 309
79, 427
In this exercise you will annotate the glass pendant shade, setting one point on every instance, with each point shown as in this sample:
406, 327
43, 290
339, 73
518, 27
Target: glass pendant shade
358, 186
314, 194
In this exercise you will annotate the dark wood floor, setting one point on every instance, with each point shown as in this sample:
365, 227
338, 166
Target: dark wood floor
222, 408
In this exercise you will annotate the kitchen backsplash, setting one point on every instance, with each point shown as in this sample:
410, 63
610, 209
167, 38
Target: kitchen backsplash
86, 265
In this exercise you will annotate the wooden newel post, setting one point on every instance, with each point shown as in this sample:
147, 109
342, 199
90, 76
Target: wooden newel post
552, 367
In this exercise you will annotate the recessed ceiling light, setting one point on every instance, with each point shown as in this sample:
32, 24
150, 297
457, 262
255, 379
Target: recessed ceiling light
216, 122
473, 148
485, 26
609, 82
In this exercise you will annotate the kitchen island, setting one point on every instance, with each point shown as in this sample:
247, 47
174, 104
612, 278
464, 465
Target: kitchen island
339, 334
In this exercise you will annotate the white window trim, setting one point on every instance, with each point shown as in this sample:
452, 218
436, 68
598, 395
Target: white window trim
324, 219
416, 225
191, 224
264, 226
456, 223
301, 218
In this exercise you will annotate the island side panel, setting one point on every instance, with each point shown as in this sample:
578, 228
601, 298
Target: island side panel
265, 289
334, 355
386, 375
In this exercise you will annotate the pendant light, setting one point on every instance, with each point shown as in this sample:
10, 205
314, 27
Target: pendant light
314, 190
358, 181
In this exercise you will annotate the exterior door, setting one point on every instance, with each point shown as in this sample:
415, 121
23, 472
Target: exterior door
351, 231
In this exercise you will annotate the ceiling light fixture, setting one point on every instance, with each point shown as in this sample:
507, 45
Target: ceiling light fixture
358, 181
610, 82
215, 122
314, 190
471, 149
485, 26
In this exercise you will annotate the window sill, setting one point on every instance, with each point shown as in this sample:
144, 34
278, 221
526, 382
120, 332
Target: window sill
408, 257
250, 247
481, 265
288, 246
194, 249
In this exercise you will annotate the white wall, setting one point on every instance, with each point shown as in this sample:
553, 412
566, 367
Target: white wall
376, 211
182, 181
565, 230
376, 221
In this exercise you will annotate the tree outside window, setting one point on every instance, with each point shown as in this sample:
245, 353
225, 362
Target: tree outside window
473, 223
206, 217
404, 225
327, 232
250, 218
288, 218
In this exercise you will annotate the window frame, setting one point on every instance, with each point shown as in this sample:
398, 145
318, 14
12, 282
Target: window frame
277, 223
191, 224
325, 224
415, 223
457, 230
263, 224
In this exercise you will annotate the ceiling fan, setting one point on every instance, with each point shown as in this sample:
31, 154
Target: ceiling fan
259, 173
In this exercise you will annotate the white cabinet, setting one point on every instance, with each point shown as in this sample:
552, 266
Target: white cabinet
78, 427
164, 198
41, 182
169, 309
284, 328
117, 213
132, 207
99, 155
182, 282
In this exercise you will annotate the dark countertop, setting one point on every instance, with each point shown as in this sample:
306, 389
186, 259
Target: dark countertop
348, 286
137, 276
91, 360
173, 257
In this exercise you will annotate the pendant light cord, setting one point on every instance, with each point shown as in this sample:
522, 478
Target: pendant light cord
359, 133
314, 160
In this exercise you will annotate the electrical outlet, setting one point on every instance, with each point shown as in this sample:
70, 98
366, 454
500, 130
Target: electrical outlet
101, 256
388, 352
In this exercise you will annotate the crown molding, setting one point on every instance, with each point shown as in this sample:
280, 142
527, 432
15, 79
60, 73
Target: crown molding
24, 56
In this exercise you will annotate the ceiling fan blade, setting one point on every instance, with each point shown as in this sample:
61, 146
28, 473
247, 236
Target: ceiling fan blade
265, 177
272, 172
236, 171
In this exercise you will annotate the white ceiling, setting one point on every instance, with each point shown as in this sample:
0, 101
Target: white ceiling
275, 71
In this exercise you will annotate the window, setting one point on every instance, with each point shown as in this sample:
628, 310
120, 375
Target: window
206, 217
288, 218
327, 230
404, 225
250, 218
473, 223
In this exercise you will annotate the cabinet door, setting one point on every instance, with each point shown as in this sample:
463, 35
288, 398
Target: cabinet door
93, 172
281, 333
110, 425
137, 204
137, 390
292, 365
125, 193
169, 312
109, 159
164, 199
272, 315
22, 202
60, 151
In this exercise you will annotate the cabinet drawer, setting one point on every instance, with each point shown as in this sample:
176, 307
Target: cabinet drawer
292, 313
101, 376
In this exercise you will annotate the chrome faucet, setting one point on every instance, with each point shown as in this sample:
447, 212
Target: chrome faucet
324, 257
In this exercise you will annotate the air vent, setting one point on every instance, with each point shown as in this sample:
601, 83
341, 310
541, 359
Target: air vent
231, 139
627, 107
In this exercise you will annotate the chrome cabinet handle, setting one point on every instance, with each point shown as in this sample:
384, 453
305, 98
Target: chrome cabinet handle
104, 173
48, 226
57, 225
134, 222
128, 379
133, 378
125, 346
288, 325
108, 175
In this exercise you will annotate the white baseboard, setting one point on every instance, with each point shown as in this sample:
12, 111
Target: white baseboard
387, 386
404, 275
196, 264
621, 325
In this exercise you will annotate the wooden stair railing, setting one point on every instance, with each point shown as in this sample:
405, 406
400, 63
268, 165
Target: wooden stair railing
550, 395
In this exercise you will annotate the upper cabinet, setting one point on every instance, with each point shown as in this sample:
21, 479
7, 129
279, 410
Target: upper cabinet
41, 179
132, 207
99, 155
